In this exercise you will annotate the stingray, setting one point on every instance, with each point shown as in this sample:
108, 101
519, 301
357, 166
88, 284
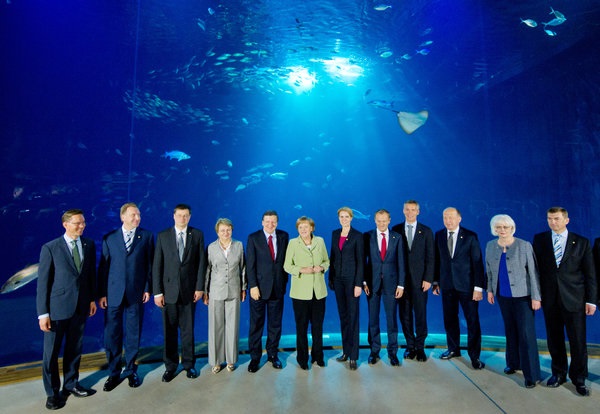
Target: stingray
409, 121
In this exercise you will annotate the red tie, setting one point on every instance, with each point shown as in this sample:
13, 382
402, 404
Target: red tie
383, 246
271, 248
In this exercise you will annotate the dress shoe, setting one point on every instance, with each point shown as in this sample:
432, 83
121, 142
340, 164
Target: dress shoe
342, 358
55, 403
253, 365
303, 365
410, 354
192, 373
556, 381
582, 390
79, 391
529, 384
168, 376
509, 371
319, 362
134, 380
394, 361
111, 383
275, 362
373, 358
421, 357
450, 354
477, 364
353, 365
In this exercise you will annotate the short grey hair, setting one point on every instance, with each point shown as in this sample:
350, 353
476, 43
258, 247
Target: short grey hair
502, 219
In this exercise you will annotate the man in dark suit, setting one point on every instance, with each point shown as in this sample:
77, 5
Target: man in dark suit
124, 284
178, 283
569, 292
459, 273
65, 299
384, 281
267, 280
419, 253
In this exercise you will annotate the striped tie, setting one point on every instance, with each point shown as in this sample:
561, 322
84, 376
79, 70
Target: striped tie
558, 253
180, 245
128, 240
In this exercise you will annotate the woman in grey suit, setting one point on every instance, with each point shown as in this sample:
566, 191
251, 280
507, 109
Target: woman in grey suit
513, 281
225, 288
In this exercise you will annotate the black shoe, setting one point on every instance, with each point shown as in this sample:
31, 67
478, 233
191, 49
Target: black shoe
253, 365
394, 361
192, 373
529, 384
79, 391
134, 380
410, 354
303, 365
111, 383
450, 354
556, 381
373, 358
509, 371
353, 365
477, 364
55, 403
275, 362
421, 357
319, 362
582, 390
168, 376
342, 358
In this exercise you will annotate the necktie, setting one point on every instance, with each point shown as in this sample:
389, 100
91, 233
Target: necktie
128, 240
383, 246
409, 236
451, 242
76, 256
271, 247
558, 253
180, 245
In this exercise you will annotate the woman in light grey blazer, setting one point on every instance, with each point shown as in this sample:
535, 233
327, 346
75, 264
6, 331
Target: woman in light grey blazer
225, 288
513, 281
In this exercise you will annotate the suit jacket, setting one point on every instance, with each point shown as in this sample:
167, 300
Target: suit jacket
420, 259
463, 271
261, 271
348, 263
388, 273
123, 274
523, 275
297, 256
574, 280
596, 252
225, 276
61, 289
179, 278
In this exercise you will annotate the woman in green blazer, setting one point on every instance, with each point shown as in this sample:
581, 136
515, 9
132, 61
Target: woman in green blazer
306, 260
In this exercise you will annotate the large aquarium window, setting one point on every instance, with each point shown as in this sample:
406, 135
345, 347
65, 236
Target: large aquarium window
239, 106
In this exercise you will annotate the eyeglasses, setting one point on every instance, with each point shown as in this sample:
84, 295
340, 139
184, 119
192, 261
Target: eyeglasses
503, 227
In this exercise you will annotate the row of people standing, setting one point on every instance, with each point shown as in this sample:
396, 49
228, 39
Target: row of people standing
174, 270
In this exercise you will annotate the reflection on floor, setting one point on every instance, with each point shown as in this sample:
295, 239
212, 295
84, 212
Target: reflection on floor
429, 387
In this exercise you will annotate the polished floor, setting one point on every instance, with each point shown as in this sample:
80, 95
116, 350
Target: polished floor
434, 386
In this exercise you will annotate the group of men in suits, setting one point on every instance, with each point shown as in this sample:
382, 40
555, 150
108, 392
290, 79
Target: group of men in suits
131, 269
402, 265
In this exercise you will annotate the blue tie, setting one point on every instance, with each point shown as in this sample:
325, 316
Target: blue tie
558, 253
180, 245
128, 240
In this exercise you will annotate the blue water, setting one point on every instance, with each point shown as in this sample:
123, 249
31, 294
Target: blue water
276, 105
